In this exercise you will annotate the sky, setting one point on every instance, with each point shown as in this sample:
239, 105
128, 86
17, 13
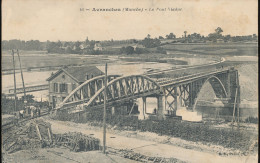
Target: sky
62, 19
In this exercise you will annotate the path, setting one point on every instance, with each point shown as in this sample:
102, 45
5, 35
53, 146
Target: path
150, 148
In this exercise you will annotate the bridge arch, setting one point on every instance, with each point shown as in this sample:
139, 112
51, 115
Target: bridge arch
217, 86
125, 88
78, 95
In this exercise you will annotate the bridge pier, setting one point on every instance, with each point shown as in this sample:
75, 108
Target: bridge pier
161, 107
113, 109
142, 109
144, 106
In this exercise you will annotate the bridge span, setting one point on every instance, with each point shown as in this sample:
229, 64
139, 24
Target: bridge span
168, 90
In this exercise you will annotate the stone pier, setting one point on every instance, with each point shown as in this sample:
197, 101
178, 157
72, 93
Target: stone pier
161, 107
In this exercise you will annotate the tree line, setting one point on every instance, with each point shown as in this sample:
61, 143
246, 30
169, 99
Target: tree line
23, 45
97, 47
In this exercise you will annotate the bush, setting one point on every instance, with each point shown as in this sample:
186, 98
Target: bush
161, 50
252, 120
141, 51
127, 50
185, 130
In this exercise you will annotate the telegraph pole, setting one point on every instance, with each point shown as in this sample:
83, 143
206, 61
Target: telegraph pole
22, 75
104, 114
14, 82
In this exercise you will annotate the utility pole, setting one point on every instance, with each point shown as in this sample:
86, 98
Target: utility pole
22, 76
104, 114
14, 82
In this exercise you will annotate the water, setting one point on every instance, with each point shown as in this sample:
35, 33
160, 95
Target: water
38, 78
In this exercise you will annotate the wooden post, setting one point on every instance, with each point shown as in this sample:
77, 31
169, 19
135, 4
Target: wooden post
21, 75
234, 108
238, 102
175, 98
132, 108
14, 82
38, 131
104, 115
49, 133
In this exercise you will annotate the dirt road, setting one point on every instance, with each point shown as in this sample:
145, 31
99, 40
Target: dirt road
149, 148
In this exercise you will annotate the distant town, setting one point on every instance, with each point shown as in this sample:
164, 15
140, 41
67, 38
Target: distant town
130, 46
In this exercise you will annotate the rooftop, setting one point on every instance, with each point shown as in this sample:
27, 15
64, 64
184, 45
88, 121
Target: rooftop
78, 73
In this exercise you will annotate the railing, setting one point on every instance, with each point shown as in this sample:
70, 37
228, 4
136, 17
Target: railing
29, 89
189, 77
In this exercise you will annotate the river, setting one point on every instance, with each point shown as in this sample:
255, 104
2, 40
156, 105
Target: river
116, 65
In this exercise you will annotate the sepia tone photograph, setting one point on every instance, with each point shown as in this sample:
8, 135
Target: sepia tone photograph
131, 81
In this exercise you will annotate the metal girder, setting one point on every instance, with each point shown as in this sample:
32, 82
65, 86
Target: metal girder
184, 89
86, 90
128, 87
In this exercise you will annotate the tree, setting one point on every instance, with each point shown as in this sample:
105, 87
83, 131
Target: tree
29, 98
227, 38
50, 46
92, 44
59, 44
171, 36
148, 36
218, 30
66, 44
151, 43
185, 32
69, 50
122, 50
216, 35
77, 48
129, 50
160, 37
87, 41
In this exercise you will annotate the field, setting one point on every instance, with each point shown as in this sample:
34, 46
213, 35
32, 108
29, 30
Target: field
228, 49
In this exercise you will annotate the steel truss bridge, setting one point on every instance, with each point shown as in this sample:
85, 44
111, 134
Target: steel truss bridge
168, 91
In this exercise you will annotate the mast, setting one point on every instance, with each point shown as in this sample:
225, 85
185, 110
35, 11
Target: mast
14, 82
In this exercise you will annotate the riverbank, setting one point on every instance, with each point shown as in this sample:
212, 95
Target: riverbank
152, 144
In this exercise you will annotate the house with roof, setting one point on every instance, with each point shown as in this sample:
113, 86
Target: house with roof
67, 79
98, 46
137, 46
84, 46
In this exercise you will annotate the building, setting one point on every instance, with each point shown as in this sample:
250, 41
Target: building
65, 80
98, 46
137, 46
84, 46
